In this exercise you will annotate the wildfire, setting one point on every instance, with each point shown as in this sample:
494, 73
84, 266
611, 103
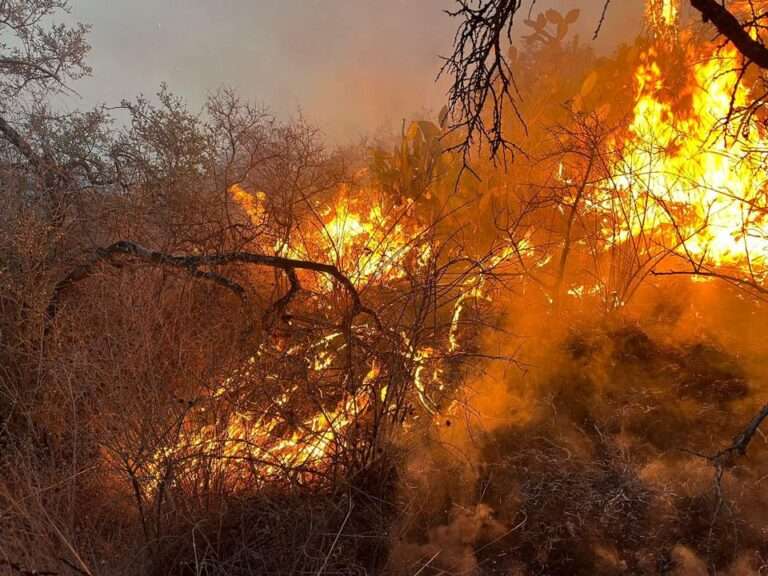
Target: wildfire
697, 187
370, 244
685, 183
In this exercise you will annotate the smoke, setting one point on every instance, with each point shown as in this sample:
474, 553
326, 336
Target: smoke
451, 547
352, 68
584, 455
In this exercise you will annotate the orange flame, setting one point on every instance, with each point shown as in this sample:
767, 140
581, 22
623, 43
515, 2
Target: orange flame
699, 188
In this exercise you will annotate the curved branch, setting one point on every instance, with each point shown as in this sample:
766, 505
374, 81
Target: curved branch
192, 264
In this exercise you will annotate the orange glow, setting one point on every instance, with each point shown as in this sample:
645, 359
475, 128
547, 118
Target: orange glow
685, 184
252, 204
696, 187
366, 243
663, 15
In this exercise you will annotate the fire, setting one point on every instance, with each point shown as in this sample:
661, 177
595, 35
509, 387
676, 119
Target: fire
252, 204
367, 239
663, 15
698, 187
240, 441
366, 244
369, 243
685, 183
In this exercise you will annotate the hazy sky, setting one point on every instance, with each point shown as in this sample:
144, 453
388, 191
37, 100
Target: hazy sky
351, 66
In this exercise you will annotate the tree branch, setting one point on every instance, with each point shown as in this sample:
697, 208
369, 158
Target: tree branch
192, 264
13, 136
742, 440
729, 26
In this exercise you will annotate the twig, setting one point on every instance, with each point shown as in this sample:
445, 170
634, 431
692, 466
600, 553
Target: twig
420, 570
725, 458
338, 535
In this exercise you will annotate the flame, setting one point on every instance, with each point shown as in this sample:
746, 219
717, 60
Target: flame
369, 242
366, 245
663, 15
238, 442
697, 187
252, 204
365, 238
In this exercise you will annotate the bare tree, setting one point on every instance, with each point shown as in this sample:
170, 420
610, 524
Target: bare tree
37, 58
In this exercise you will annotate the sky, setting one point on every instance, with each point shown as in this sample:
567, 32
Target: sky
353, 68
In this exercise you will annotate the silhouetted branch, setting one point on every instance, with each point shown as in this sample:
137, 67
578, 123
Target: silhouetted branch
725, 458
742, 440
600, 23
481, 73
278, 308
193, 263
729, 26
483, 82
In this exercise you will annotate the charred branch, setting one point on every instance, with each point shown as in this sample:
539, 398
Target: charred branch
194, 263
130, 249
729, 26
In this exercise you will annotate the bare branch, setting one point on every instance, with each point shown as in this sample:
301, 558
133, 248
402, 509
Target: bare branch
193, 263
729, 26
481, 73
10, 134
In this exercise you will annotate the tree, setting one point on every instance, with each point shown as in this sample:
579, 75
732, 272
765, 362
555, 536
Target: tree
37, 59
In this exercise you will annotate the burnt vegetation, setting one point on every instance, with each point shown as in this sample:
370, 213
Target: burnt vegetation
229, 349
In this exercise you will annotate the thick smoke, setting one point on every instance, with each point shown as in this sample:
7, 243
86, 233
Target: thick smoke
350, 68
587, 457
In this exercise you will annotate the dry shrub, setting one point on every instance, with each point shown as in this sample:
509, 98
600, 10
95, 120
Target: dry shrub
603, 478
